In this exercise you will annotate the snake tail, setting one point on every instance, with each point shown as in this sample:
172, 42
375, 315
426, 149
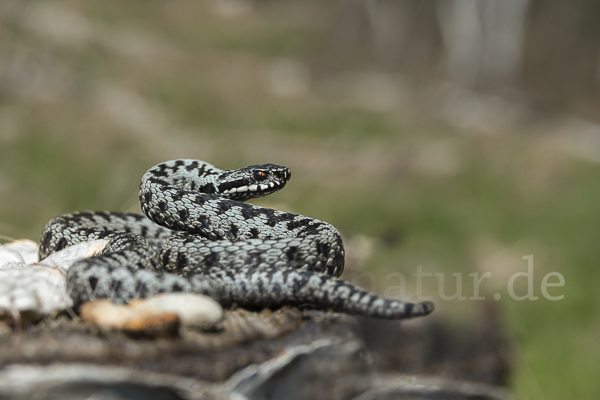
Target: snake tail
103, 277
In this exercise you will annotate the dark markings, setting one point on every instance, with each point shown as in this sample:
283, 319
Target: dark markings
165, 257
192, 166
177, 195
291, 253
211, 260
104, 215
234, 231
61, 244
183, 214
162, 171
200, 199
93, 283
181, 261
248, 211
176, 288
225, 205
209, 188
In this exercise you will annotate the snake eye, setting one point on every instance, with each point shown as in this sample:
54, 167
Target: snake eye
260, 175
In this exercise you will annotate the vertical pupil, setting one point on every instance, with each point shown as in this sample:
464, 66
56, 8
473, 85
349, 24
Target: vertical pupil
260, 175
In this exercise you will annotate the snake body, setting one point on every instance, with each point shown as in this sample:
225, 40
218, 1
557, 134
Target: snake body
200, 236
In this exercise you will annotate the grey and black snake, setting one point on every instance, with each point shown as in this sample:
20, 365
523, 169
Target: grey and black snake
201, 237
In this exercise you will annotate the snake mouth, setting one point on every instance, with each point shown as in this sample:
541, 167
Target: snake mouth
254, 190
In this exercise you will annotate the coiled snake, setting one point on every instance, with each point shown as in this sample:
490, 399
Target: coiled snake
201, 237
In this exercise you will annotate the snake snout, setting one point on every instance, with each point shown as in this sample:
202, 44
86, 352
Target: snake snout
284, 174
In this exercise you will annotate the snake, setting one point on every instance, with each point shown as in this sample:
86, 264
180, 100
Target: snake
198, 234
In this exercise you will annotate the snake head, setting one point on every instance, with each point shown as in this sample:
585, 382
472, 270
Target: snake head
253, 181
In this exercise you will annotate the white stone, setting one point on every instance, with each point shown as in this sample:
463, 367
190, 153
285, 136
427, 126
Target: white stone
65, 258
27, 249
194, 310
9, 258
36, 288
156, 314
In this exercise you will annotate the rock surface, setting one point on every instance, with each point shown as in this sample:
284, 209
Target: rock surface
183, 346
287, 353
30, 291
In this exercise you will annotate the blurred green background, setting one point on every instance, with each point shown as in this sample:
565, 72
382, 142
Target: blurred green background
459, 136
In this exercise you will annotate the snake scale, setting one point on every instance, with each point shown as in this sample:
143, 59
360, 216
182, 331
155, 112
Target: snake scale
200, 236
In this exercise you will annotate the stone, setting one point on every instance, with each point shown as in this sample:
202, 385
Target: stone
194, 310
157, 316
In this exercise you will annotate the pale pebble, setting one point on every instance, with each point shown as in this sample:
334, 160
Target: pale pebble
194, 310
9, 257
27, 249
138, 322
40, 289
65, 258
191, 310
35, 288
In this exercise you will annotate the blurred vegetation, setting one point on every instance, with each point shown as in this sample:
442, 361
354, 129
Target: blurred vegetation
94, 93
